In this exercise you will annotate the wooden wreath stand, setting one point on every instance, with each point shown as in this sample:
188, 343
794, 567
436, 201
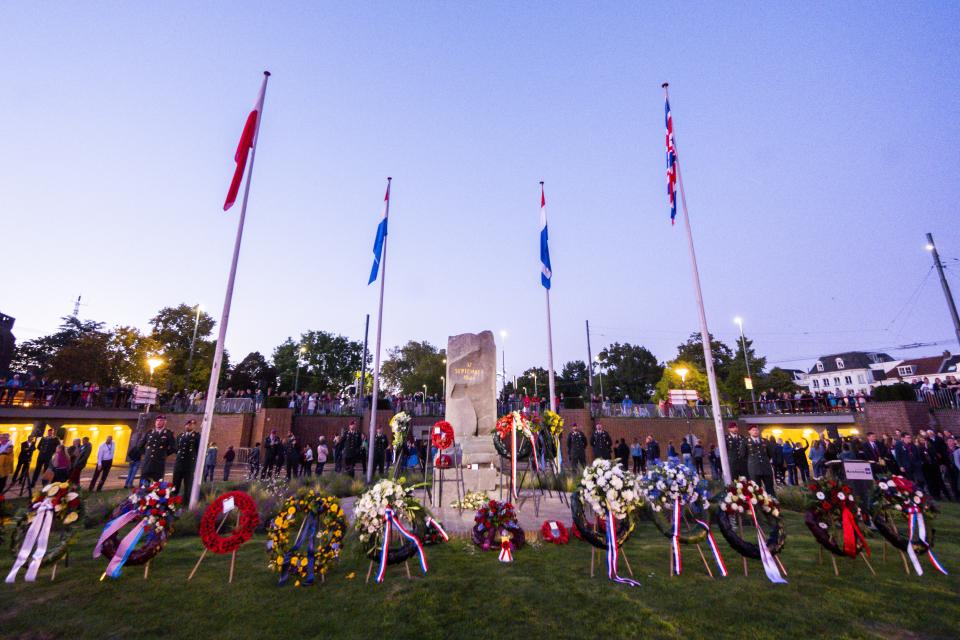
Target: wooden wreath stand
233, 555
406, 564
621, 553
703, 557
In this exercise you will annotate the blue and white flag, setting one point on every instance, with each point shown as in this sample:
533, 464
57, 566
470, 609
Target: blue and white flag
546, 273
381, 238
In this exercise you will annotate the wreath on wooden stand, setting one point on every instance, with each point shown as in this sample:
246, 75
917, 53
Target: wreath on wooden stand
56, 510
745, 498
832, 509
246, 522
379, 515
320, 525
897, 499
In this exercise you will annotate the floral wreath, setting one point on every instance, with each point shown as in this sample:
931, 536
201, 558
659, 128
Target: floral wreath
526, 432
551, 424
740, 496
247, 522
668, 485
495, 519
399, 424
153, 508
442, 435
831, 507
68, 509
370, 511
433, 533
895, 498
312, 546
609, 490
554, 531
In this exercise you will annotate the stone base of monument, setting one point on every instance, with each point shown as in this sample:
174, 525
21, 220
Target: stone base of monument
481, 477
478, 450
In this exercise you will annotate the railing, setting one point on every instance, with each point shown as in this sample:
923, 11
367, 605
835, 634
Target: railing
223, 405
948, 398
630, 410
66, 396
809, 405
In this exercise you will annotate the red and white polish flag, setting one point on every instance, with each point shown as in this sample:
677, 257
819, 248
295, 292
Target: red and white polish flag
248, 140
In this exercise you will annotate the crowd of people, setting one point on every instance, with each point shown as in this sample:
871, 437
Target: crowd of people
55, 460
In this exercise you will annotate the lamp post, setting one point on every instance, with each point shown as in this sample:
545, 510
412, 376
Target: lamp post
746, 360
443, 383
153, 362
193, 340
424, 399
296, 377
535, 393
682, 372
600, 371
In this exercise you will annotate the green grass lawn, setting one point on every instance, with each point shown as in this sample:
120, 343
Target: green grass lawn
546, 593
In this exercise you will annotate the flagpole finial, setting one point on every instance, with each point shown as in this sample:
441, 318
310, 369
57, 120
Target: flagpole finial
665, 85
541, 183
266, 73
389, 178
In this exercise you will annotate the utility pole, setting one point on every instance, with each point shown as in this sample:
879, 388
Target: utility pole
932, 248
589, 366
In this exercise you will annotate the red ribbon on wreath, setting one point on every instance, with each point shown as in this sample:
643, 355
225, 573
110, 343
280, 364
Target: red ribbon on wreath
442, 435
851, 533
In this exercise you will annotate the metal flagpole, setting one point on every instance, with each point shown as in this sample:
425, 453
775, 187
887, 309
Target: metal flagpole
550, 376
211, 399
376, 354
946, 287
704, 332
589, 367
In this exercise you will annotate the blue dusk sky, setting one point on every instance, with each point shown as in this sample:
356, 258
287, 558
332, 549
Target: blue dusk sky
818, 143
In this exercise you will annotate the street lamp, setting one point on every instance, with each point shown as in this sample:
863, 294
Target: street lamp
503, 351
193, 341
296, 377
534, 383
682, 372
600, 370
746, 360
424, 396
443, 383
153, 362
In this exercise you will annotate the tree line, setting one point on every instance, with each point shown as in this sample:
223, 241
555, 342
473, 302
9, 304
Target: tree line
328, 363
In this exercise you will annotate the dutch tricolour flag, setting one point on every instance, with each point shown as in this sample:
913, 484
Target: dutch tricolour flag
380, 239
546, 273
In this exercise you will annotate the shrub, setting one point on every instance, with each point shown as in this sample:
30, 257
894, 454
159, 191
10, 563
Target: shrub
276, 402
573, 402
901, 391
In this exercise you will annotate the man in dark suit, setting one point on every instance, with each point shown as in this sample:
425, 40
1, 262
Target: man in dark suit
736, 451
379, 451
873, 452
352, 448
577, 447
652, 450
158, 444
45, 449
273, 450
759, 460
601, 443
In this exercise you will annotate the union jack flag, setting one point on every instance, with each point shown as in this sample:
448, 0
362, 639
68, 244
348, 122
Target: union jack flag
671, 164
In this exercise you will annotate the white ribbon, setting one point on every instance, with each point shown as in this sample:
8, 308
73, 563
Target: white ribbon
38, 534
923, 536
770, 566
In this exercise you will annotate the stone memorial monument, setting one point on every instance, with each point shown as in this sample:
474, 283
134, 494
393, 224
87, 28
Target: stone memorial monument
472, 394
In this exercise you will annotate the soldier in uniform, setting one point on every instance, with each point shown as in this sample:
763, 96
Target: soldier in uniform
601, 443
736, 451
759, 460
158, 444
188, 443
379, 451
577, 447
352, 448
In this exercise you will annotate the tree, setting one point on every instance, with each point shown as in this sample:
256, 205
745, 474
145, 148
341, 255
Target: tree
733, 386
415, 364
328, 363
696, 380
127, 351
83, 360
253, 372
35, 356
628, 370
573, 379
692, 351
535, 380
173, 334
780, 380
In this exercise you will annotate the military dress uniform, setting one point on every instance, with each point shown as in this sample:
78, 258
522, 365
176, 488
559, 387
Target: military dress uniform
602, 444
379, 453
759, 463
352, 451
188, 443
577, 449
156, 447
737, 455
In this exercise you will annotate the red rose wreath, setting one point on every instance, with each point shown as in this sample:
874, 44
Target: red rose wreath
554, 531
242, 532
442, 435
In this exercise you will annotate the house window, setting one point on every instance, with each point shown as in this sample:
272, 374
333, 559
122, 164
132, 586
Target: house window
860, 379
826, 382
905, 370
847, 380
816, 383
819, 366
839, 363
836, 381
